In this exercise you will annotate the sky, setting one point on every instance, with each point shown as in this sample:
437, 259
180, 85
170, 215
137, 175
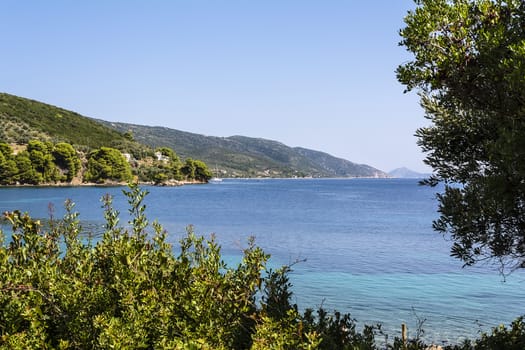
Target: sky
315, 74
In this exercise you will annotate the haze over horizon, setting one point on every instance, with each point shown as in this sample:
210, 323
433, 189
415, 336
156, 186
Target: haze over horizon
319, 75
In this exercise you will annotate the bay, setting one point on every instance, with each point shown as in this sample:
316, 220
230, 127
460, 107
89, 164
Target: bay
367, 244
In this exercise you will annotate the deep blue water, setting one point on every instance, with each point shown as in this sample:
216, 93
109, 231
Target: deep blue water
368, 243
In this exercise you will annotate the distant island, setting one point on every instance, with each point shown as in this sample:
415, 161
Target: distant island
405, 173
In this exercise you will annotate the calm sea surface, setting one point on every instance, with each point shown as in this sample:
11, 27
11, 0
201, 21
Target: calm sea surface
368, 244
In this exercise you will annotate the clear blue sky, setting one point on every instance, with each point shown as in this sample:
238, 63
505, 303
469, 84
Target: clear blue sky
317, 74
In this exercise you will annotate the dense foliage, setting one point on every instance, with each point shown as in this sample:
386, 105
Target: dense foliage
167, 167
469, 68
129, 290
196, 169
65, 157
40, 162
47, 163
59, 145
107, 164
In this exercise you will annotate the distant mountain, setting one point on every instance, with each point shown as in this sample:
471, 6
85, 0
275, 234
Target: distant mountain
407, 174
241, 156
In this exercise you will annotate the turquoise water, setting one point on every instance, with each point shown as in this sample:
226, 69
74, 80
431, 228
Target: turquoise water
368, 244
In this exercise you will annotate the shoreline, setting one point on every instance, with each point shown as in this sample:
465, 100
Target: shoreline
106, 184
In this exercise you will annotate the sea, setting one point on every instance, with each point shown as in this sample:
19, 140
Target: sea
359, 246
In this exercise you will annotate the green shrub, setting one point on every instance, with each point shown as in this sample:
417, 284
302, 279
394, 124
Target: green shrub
128, 289
501, 337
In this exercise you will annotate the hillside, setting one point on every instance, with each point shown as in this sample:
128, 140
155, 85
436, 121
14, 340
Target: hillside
240, 156
23, 119
41, 144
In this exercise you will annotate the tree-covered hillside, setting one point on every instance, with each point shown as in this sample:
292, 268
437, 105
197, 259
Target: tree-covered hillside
40, 143
236, 156
23, 120
246, 156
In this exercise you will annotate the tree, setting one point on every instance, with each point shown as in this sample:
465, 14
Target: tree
188, 169
42, 161
66, 158
469, 69
107, 164
26, 174
202, 172
8, 168
196, 170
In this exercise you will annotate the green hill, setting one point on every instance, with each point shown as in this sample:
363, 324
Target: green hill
41, 144
240, 156
23, 119
236, 156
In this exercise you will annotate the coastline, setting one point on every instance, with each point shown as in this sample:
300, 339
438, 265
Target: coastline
173, 183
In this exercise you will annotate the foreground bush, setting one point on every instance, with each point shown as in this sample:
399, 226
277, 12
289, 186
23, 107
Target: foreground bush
131, 290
